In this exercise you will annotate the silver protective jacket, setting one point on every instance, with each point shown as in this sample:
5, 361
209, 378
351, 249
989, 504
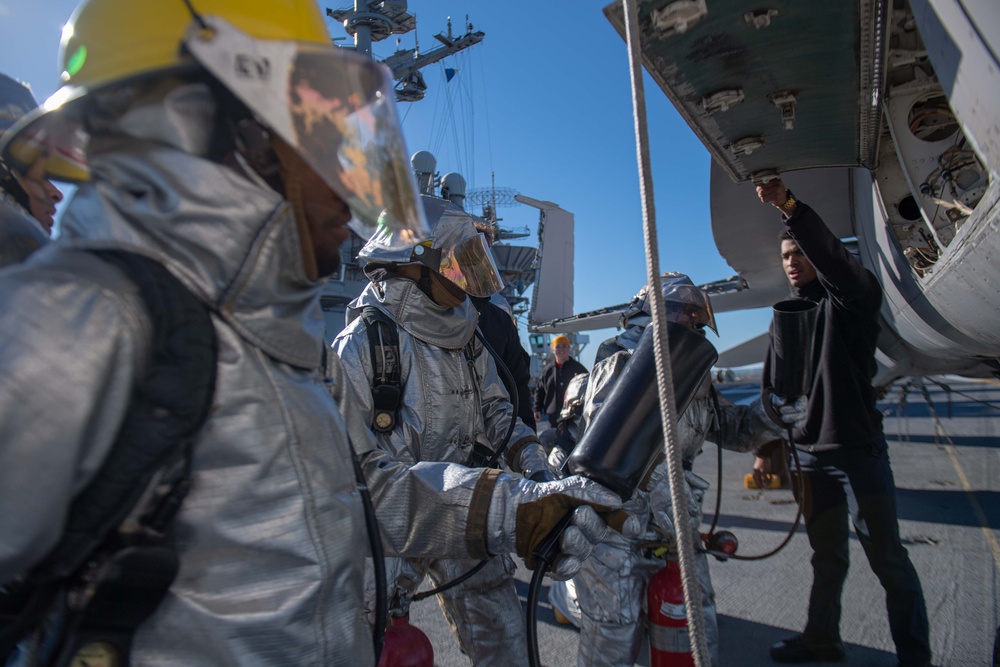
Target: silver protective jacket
452, 402
611, 586
452, 397
270, 534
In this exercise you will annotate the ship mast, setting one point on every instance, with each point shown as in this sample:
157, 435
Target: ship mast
370, 21
375, 20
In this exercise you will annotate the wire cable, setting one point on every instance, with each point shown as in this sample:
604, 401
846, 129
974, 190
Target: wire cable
791, 455
963, 394
664, 372
799, 481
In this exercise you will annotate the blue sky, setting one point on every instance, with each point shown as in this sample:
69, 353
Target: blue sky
544, 103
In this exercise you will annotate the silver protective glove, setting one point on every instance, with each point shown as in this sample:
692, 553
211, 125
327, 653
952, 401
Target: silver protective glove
792, 413
557, 457
535, 464
784, 412
523, 513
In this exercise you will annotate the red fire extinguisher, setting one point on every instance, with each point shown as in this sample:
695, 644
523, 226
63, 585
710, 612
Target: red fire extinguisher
405, 645
669, 641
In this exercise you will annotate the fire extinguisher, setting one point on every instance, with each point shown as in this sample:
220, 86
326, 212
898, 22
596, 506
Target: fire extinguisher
669, 641
405, 645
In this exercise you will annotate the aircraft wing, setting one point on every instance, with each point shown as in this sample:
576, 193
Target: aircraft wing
602, 318
742, 75
746, 231
861, 107
744, 354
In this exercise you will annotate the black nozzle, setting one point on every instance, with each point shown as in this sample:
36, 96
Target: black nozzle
792, 335
626, 437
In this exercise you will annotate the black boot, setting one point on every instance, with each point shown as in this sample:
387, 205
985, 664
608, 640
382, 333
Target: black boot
797, 649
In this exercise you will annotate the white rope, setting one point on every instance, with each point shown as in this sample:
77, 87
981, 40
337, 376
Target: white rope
664, 373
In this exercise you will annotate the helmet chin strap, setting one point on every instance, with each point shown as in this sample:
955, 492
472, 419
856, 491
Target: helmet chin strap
13, 187
291, 167
278, 164
443, 292
438, 289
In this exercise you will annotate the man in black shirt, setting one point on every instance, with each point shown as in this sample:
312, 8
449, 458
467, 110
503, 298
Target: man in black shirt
552, 384
842, 449
500, 332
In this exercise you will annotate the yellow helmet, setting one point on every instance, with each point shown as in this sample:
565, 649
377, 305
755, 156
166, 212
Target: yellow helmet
110, 41
335, 108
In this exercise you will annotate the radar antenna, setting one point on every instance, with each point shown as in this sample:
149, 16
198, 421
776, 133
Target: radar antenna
484, 197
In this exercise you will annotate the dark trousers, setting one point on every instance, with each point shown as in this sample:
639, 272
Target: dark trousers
857, 482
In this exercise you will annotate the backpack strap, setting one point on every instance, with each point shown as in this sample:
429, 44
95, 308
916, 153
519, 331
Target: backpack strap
111, 544
387, 381
169, 404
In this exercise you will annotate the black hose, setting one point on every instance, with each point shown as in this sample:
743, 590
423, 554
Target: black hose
718, 450
718, 492
531, 615
799, 499
454, 582
546, 553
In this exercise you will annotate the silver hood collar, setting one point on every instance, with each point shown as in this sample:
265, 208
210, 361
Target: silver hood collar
416, 314
229, 237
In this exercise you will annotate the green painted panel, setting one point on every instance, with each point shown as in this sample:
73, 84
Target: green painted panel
811, 49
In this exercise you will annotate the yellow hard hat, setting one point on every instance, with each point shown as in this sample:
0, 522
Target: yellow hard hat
559, 340
334, 107
109, 41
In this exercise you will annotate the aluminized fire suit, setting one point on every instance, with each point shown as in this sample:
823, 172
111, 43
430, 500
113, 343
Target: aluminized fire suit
271, 536
452, 400
611, 585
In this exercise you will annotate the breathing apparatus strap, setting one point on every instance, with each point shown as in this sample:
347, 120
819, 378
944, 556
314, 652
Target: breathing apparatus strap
387, 382
111, 567
482, 453
494, 456
13, 187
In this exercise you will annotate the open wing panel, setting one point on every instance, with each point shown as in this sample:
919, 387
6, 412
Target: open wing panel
786, 85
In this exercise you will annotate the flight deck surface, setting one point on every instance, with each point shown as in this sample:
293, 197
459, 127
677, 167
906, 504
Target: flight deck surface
947, 472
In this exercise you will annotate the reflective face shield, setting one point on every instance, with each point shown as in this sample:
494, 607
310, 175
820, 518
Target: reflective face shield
456, 249
62, 141
471, 267
689, 305
18, 102
685, 303
336, 109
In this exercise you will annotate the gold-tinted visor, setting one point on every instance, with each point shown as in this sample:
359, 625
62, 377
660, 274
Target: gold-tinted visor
335, 108
58, 138
689, 305
470, 265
